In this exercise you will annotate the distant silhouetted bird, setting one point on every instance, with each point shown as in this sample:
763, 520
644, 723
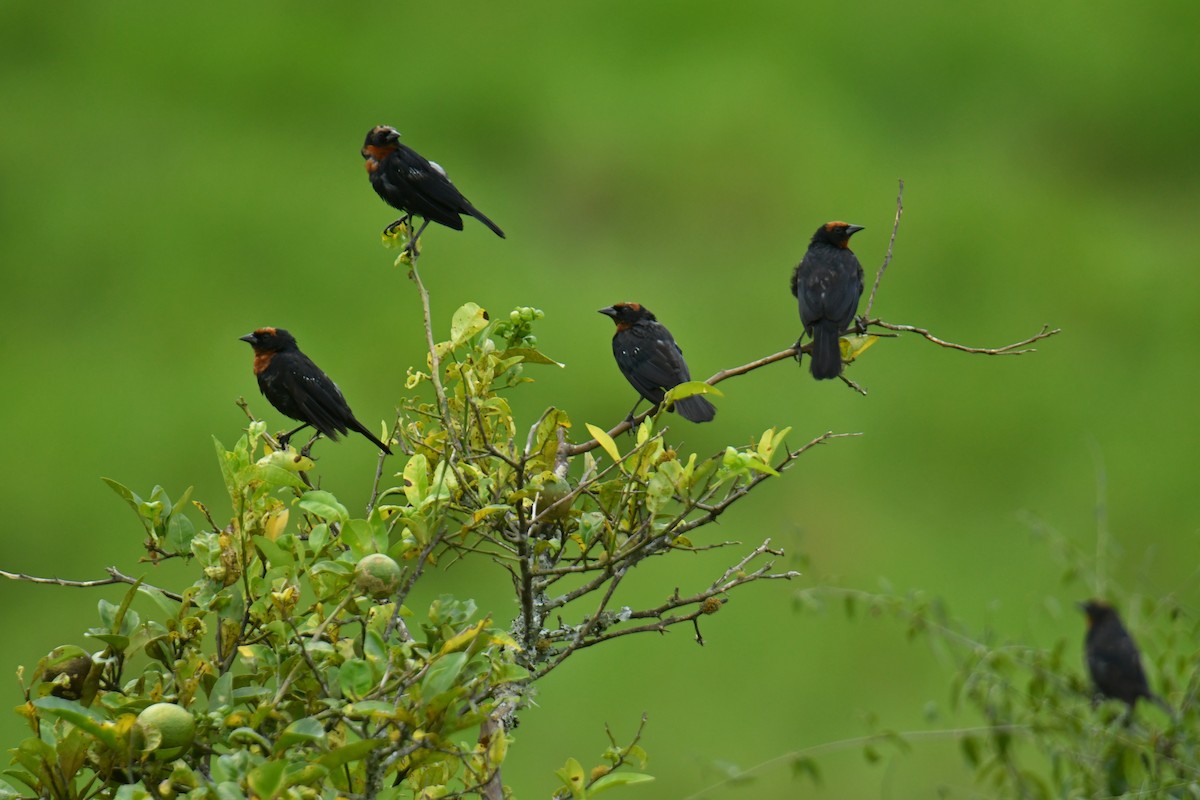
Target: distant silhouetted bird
299, 389
1112, 657
411, 183
649, 359
828, 283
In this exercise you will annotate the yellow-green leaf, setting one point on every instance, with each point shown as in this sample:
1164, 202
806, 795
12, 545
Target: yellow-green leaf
605, 441
691, 388
853, 346
467, 321
461, 640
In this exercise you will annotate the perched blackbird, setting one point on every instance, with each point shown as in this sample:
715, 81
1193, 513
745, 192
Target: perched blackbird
828, 282
407, 181
1112, 658
649, 359
299, 389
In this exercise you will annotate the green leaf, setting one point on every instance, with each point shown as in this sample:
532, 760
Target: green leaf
324, 505
573, 778
302, 731
356, 678
443, 673
618, 779
116, 641
606, 441
531, 356
467, 321
350, 752
266, 781
416, 480
125, 494
79, 716
853, 346
275, 555
132, 791
271, 475
363, 538
689, 389
220, 697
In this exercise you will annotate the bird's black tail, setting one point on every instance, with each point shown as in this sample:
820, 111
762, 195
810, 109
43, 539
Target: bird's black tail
477, 214
695, 409
358, 426
826, 351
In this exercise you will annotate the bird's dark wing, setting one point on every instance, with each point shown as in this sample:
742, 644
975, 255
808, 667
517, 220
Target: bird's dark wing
424, 188
650, 359
312, 395
1116, 666
828, 287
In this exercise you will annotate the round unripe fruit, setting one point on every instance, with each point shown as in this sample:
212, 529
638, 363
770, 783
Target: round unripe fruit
175, 725
553, 489
377, 575
72, 662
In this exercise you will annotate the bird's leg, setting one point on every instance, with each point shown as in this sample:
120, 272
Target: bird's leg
304, 450
632, 411
796, 347
287, 437
412, 242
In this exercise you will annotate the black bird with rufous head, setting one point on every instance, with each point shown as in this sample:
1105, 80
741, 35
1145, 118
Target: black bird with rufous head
297, 388
827, 283
649, 358
1113, 659
411, 183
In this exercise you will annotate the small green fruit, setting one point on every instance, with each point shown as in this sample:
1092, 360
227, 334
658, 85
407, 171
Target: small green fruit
175, 728
377, 575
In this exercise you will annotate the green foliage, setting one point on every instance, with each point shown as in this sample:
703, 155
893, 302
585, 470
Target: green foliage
1043, 734
292, 666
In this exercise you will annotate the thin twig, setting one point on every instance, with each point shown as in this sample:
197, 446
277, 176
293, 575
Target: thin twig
435, 363
887, 259
1013, 349
116, 577
732, 372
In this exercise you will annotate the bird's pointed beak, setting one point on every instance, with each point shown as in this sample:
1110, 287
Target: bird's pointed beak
1082, 605
249, 338
610, 311
853, 229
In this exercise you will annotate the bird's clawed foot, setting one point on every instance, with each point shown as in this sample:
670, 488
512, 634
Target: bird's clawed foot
304, 451
403, 222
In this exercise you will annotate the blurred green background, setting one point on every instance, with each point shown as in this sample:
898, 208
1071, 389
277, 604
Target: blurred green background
172, 177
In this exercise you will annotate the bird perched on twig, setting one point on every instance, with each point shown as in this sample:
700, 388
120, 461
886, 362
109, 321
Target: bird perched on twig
411, 183
1112, 657
299, 389
649, 359
828, 283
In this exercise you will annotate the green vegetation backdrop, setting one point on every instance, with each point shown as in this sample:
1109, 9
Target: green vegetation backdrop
171, 178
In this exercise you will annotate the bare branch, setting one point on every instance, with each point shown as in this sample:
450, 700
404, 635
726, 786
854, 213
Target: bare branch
887, 259
115, 578
1014, 349
435, 363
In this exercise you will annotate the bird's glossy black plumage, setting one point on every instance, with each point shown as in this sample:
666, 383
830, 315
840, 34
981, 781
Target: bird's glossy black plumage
1113, 660
297, 387
415, 185
828, 283
649, 358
